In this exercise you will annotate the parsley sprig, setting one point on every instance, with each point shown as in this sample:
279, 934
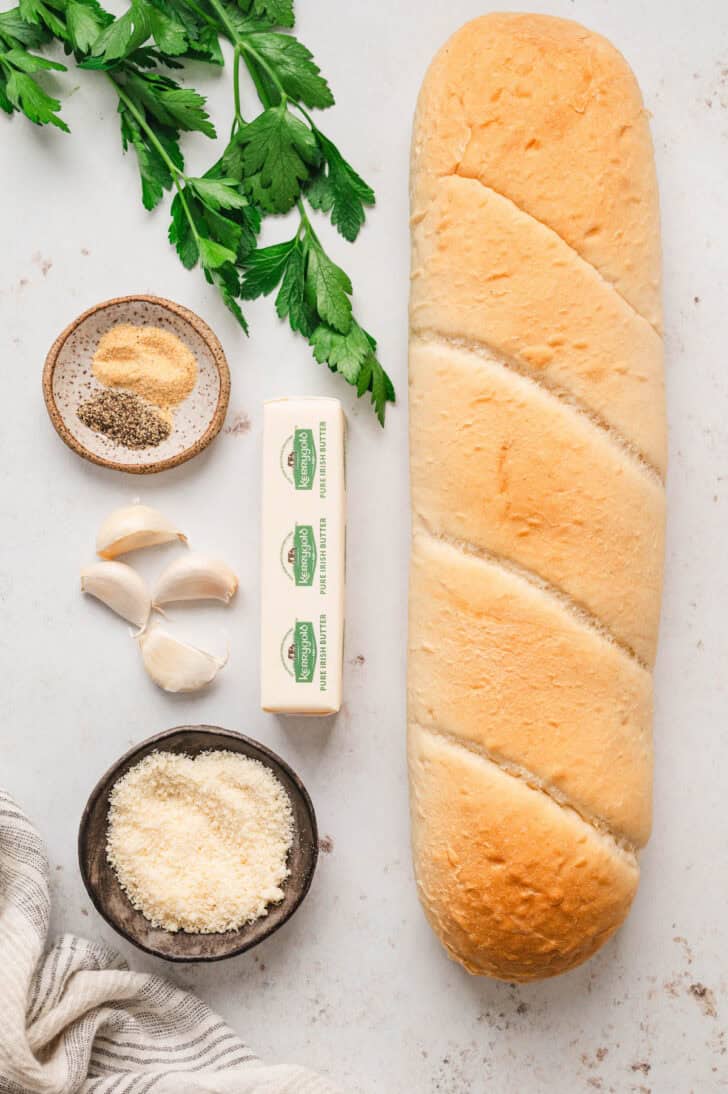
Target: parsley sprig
277, 162
19, 67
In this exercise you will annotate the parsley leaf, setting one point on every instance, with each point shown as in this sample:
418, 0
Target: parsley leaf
85, 19
168, 33
218, 193
144, 20
278, 12
223, 228
338, 189
381, 388
29, 62
140, 22
204, 45
181, 235
171, 105
344, 352
124, 35
183, 30
329, 288
19, 89
155, 173
42, 14
373, 378
14, 30
272, 156
23, 93
354, 356
294, 66
153, 110
265, 268
291, 302
213, 223
214, 254
309, 282
186, 108
227, 281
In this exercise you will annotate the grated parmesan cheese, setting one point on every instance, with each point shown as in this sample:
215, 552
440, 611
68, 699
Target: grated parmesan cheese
200, 844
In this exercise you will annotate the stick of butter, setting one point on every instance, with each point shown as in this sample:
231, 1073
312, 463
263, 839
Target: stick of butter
303, 555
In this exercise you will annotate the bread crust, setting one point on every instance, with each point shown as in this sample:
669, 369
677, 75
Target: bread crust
537, 458
500, 664
516, 886
550, 115
485, 272
499, 463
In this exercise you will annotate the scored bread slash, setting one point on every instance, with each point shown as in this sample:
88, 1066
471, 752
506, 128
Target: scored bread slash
303, 556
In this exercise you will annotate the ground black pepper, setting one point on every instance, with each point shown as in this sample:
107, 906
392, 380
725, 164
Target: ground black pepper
124, 418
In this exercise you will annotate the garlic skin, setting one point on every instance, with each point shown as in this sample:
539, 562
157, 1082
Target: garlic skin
195, 577
175, 666
120, 588
134, 527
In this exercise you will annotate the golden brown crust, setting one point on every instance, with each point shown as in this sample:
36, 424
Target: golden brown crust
483, 270
499, 463
537, 449
498, 662
516, 886
550, 115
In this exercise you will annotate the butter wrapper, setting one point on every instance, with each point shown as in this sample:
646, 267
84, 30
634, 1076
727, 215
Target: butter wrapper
303, 556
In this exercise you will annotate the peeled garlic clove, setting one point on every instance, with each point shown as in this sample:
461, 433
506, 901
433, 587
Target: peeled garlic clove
196, 577
120, 588
175, 666
133, 527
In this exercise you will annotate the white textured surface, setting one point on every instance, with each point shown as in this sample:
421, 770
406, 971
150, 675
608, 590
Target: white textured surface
356, 983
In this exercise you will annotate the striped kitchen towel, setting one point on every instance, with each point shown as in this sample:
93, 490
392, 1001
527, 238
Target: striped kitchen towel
74, 1018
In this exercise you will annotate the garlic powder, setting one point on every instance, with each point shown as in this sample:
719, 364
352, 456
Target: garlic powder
149, 361
200, 844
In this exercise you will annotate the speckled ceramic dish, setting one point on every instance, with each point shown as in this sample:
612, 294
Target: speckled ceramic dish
68, 381
111, 900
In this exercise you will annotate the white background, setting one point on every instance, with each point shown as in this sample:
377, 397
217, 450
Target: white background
356, 984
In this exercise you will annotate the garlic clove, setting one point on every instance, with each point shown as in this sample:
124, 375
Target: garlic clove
120, 588
175, 666
133, 527
196, 577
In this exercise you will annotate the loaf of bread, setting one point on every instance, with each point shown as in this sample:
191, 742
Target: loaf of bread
538, 448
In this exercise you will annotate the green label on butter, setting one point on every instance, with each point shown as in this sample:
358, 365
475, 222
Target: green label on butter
298, 652
299, 555
298, 459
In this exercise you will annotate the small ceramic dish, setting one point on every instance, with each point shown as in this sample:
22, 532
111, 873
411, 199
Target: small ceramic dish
111, 901
68, 381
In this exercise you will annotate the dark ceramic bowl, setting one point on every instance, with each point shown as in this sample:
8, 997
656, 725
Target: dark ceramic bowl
111, 901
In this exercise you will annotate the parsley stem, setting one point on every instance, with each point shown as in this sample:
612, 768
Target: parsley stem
255, 77
307, 227
268, 69
302, 110
159, 148
188, 214
241, 45
305, 222
142, 121
238, 119
230, 30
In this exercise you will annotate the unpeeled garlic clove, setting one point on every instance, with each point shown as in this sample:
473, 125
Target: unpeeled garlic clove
120, 588
196, 577
132, 527
175, 666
